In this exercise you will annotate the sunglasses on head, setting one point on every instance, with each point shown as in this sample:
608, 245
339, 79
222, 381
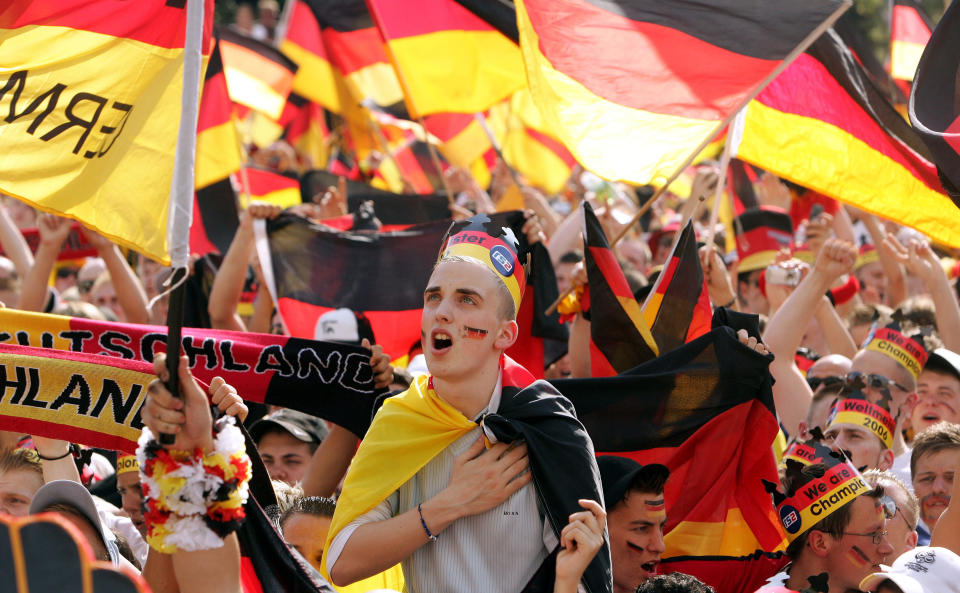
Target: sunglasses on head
828, 382
872, 380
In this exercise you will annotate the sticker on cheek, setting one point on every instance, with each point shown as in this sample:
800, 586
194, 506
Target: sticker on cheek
473, 332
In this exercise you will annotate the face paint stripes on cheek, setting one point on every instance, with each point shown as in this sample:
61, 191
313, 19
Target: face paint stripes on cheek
472, 332
857, 557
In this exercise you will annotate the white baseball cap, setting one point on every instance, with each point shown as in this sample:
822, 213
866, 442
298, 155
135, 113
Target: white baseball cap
920, 570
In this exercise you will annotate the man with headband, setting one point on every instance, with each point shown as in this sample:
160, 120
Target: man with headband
128, 485
468, 478
834, 522
863, 430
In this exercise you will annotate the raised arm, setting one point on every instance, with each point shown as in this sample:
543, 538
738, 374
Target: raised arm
896, 279
14, 245
53, 232
228, 284
784, 331
130, 293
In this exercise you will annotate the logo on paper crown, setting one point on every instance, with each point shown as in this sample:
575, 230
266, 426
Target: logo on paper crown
813, 491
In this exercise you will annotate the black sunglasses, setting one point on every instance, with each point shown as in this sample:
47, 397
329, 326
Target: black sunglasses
856, 379
828, 382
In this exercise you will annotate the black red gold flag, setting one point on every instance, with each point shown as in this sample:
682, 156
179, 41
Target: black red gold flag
91, 138
391, 208
935, 101
678, 309
215, 218
638, 116
824, 125
910, 30
303, 43
706, 411
270, 186
617, 326
258, 75
449, 60
317, 269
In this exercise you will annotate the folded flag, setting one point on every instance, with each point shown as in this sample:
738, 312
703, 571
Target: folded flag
824, 125
935, 102
305, 375
678, 309
258, 75
705, 410
317, 269
90, 138
637, 117
617, 325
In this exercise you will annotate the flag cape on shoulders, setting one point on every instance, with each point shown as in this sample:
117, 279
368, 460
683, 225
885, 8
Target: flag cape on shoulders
935, 101
412, 428
92, 90
637, 117
705, 410
326, 379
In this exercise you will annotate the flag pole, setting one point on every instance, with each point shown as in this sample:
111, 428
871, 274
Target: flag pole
181, 192
793, 55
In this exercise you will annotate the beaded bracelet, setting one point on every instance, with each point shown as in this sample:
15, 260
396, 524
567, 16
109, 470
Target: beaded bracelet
192, 501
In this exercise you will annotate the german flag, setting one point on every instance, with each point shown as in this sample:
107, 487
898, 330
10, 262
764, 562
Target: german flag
305, 128
706, 411
638, 119
935, 101
258, 75
215, 215
910, 29
92, 91
617, 326
303, 43
448, 59
356, 51
678, 309
464, 144
824, 125
382, 275
542, 339
391, 208
272, 187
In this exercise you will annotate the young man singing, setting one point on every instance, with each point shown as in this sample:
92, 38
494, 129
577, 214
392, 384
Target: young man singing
468, 478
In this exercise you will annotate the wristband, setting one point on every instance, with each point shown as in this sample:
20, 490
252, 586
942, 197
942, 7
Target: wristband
69, 452
844, 293
430, 536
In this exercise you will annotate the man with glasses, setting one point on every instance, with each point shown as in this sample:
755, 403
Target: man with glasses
825, 379
834, 523
901, 509
936, 452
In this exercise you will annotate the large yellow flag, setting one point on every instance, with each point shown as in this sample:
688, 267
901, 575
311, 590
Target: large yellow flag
90, 99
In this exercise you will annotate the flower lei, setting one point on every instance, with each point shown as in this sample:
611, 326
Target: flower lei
192, 501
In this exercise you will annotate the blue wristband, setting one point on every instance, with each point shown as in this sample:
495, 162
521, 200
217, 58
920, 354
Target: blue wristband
430, 536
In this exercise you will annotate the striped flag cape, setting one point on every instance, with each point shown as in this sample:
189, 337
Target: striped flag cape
637, 116
824, 125
258, 75
705, 410
678, 308
447, 58
215, 215
317, 269
935, 101
910, 29
93, 139
617, 326
40, 395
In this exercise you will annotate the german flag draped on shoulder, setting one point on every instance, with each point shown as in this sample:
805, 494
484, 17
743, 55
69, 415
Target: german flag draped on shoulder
91, 92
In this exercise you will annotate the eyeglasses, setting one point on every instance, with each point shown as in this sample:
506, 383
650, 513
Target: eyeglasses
876, 537
871, 380
891, 510
828, 382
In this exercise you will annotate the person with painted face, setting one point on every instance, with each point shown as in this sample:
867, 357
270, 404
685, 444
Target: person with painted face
469, 477
936, 454
834, 522
863, 430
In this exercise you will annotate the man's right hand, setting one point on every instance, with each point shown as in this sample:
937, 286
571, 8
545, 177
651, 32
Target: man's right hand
835, 259
482, 479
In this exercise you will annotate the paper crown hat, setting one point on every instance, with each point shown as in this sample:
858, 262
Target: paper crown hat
494, 241
761, 234
127, 463
866, 255
815, 489
853, 407
890, 340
